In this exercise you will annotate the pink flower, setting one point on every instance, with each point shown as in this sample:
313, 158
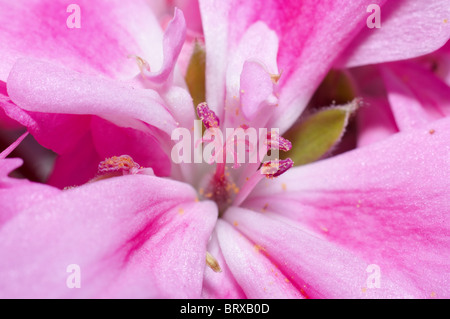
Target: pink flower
313, 231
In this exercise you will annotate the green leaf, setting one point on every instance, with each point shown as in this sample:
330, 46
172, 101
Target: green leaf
195, 74
316, 135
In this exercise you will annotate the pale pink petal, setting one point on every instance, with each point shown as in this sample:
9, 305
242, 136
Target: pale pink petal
416, 95
180, 104
132, 236
256, 89
387, 202
220, 284
110, 31
173, 40
306, 50
303, 262
409, 28
257, 275
258, 45
43, 87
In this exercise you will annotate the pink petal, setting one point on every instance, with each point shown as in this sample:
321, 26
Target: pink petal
18, 194
256, 274
303, 263
82, 141
416, 95
387, 202
180, 104
220, 285
77, 166
406, 26
375, 121
259, 45
256, 89
132, 237
306, 50
110, 31
43, 87
5, 121
173, 40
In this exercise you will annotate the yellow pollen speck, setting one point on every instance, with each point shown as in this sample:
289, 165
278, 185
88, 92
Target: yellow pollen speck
431, 131
181, 211
265, 289
265, 207
197, 200
259, 248
433, 294
284, 186
364, 290
275, 77
235, 223
287, 280
324, 229
242, 91
445, 20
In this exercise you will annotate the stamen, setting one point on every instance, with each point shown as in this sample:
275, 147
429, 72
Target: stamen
208, 117
275, 141
212, 263
142, 64
275, 168
115, 164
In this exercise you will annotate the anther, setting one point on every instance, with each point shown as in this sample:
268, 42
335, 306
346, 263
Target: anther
123, 163
276, 142
208, 117
212, 263
275, 168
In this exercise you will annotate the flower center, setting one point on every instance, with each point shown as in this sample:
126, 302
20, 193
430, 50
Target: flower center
221, 186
